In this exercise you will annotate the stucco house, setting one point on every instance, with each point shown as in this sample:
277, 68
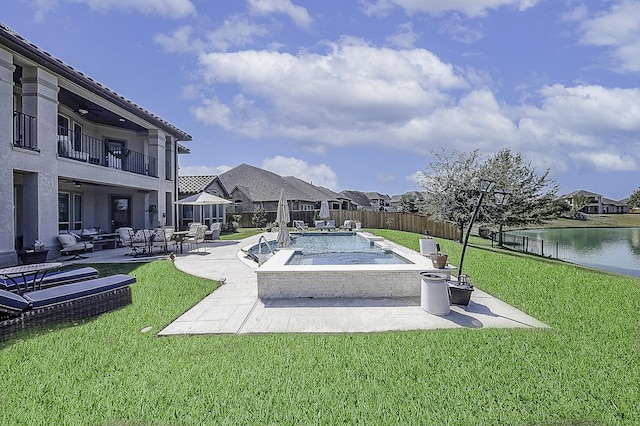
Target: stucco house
76, 154
597, 203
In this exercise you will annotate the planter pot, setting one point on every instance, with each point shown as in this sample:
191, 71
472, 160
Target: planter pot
459, 295
439, 260
434, 297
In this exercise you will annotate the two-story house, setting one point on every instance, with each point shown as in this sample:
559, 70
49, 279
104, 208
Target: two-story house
76, 154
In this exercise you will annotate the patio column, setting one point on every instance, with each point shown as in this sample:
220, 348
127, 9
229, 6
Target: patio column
7, 231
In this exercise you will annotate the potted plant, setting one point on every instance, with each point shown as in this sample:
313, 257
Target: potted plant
460, 291
439, 259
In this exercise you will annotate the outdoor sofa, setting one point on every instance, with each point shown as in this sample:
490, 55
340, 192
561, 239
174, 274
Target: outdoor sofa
63, 303
50, 279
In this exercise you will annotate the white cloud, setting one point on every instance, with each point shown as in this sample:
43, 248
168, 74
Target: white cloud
385, 177
166, 8
319, 174
404, 37
602, 161
181, 40
619, 30
235, 31
298, 14
471, 8
203, 170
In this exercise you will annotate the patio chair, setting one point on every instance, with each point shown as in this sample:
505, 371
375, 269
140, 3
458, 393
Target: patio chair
213, 233
197, 238
72, 246
124, 235
63, 303
140, 242
163, 238
192, 228
318, 224
300, 225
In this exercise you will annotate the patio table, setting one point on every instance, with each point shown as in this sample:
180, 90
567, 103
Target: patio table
179, 236
22, 271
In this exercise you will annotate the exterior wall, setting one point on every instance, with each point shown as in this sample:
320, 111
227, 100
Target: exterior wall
32, 178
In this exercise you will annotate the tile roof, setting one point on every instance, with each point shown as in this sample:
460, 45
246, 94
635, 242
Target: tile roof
194, 184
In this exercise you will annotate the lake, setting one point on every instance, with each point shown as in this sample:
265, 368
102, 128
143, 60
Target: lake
609, 249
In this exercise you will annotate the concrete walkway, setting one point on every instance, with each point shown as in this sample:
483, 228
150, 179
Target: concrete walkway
235, 309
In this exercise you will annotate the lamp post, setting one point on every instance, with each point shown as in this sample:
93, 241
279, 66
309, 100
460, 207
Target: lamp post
502, 198
485, 186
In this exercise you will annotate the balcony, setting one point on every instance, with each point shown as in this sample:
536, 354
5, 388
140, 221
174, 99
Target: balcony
87, 149
25, 131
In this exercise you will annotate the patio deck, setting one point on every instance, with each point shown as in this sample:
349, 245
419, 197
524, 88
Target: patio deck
234, 308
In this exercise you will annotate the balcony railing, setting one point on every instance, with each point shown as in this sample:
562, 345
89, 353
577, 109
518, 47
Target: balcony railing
85, 148
24, 131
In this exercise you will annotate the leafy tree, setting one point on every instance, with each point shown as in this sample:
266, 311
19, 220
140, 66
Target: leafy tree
580, 202
450, 185
634, 199
259, 218
409, 203
532, 197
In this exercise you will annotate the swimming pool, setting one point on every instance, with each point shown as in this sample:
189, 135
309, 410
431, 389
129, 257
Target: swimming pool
279, 278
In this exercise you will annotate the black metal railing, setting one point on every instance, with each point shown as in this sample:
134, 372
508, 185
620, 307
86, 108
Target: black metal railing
25, 131
81, 147
526, 244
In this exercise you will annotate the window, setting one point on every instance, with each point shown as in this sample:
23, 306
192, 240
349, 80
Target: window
77, 211
69, 211
63, 126
187, 215
63, 211
77, 137
237, 206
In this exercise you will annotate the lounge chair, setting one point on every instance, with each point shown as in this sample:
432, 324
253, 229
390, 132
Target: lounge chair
163, 238
348, 225
72, 246
63, 303
213, 233
300, 225
318, 224
328, 225
52, 279
197, 238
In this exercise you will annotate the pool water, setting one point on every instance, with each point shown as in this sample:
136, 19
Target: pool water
332, 249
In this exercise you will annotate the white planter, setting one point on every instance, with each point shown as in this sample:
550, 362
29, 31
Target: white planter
427, 246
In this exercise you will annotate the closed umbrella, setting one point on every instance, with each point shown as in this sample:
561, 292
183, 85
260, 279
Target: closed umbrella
283, 218
324, 209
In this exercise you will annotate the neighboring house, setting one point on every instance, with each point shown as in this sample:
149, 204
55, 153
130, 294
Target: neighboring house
252, 188
597, 204
612, 206
75, 154
358, 199
397, 199
379, 201
191, 185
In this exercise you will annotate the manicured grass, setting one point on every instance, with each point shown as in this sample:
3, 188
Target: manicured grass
583, 370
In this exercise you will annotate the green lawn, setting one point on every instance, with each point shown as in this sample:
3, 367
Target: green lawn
583, 370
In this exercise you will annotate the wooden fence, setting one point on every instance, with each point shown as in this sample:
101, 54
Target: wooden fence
374, 219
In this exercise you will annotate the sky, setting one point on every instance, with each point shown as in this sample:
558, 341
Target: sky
360, 94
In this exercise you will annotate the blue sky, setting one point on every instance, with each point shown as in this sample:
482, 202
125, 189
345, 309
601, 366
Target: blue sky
358, 94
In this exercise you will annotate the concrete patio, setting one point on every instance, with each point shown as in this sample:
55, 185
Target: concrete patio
234, 308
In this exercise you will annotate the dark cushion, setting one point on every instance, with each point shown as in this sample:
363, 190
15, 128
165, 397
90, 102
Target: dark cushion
53, 278
12, 302
68, 292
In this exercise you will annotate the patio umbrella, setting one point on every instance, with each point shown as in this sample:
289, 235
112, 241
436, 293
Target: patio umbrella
283, 218
202, 199
324, 209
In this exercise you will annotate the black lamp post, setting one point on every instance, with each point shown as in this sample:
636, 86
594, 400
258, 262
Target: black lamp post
485, 186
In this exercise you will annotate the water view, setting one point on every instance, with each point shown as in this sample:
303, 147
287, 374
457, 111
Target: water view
609, 249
